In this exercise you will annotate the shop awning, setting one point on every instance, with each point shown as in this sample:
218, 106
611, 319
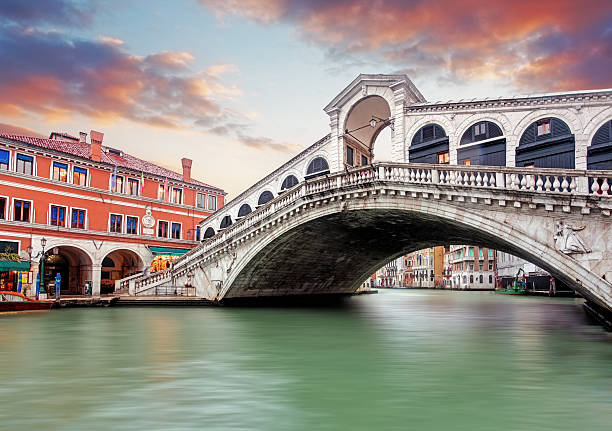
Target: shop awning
171, 251
11, 265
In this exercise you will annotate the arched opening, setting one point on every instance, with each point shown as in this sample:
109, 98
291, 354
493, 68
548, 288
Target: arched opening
318, 166
116, 265
546, 143
290, 181
74, 267
383, 145
244, 210
483, 143
226, 222
430, 145
209, 233
599, 153
365, 121
264, 198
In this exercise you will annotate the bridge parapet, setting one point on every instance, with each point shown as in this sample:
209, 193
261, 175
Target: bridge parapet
531, 188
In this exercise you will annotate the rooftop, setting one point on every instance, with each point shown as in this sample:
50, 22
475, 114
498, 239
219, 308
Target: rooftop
124, 160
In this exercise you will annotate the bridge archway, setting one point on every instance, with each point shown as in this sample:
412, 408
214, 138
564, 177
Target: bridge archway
362, 237
599, 153
317, 167
482, 143
265, 197
547, 143
289, 182
244, 210
364, 122
209, 233
430, 145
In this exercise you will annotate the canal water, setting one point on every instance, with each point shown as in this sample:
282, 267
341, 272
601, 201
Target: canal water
409, 359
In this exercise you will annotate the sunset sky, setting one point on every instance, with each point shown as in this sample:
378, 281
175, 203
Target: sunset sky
239, 86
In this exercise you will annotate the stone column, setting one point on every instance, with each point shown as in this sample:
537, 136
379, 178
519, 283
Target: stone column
398, 138
96, 275
336, 154
32, 288
580, 150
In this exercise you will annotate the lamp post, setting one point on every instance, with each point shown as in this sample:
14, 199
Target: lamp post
43, 243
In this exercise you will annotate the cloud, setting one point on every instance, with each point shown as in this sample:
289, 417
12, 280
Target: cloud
53, 76
521, 43
110, 40
57, 12
266, 144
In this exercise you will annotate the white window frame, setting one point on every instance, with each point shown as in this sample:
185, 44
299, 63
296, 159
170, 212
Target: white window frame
10, 166
67, 214
122, 222
168, 232
180, 230
14, 160
172, 195
205, 200
68, 176
72, 173
216, 202
31, 209
137, 224
86, 227
127, 182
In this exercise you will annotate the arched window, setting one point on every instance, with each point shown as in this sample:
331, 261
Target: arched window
481, 279
265, 197
289, 182
599, 154
471, 279
317, 167
244, 210
546, 143
209, 233
226, 222
464, 279
429, 145
491, 152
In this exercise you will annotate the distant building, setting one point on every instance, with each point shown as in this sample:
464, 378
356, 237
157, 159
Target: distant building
423, 268
103, 214
472, 268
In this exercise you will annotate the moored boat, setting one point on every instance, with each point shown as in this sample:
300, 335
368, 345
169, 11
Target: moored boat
14, 301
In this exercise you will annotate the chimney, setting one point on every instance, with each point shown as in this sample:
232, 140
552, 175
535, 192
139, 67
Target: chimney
82, 137
186, 169
96, 145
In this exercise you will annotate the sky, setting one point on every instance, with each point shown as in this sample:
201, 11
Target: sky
240, 86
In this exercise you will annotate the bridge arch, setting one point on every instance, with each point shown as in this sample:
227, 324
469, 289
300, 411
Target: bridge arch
244, 210
209, 233
361, 237
547, 142
316, 166
289, 181
226, 222
265, 197
428, 144
482, 142
117, 264
364, 121
75, 264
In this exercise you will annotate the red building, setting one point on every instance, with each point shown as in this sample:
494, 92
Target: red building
103, 213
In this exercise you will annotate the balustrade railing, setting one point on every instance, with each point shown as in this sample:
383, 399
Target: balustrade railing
168, 291
534, 180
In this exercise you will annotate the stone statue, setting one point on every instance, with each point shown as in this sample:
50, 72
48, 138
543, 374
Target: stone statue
567, 240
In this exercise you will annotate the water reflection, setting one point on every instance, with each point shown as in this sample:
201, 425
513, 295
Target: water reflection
397, 360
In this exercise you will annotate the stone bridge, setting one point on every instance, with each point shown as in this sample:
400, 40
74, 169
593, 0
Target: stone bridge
328, 234
525, 175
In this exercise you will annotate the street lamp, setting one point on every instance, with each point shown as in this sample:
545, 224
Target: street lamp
42, 255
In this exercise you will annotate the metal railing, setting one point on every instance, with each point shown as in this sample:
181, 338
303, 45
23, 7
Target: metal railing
168, 291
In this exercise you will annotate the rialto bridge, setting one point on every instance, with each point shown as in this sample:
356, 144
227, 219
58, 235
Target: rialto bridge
523, 175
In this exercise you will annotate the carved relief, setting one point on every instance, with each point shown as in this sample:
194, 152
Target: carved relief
567, 241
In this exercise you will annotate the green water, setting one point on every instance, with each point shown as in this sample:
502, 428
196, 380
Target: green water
422, 360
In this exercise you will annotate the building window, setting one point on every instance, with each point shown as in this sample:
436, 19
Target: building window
471, 252
2, 208
212, 203
162, 229
490, 265
364, 160
467, 162
4, 160
115, 223
78, 219
161, 192
480, 279
79, 176
480, 129
60, 171
25, 164
58, 216
133, 186
118, 184
21, 210
177, 195
350, 156
176, 230
471, 279
198, 232
132, 225
443, 158
543, 127
490, 278
201, 200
